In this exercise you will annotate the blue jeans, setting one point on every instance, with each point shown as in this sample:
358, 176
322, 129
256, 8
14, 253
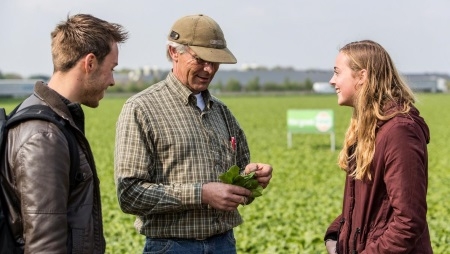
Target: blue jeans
221, 244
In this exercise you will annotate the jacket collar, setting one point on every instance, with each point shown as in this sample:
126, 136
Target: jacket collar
52, 99
71, 111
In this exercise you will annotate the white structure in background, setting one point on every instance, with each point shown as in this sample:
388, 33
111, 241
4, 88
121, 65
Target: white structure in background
323, 87
250, 66
442, 85
135, 75
17, 87
427, 83
144, 72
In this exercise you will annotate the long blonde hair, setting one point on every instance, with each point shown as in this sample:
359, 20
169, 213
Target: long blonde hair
383, 85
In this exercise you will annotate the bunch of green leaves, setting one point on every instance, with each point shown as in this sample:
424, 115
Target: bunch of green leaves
247, 181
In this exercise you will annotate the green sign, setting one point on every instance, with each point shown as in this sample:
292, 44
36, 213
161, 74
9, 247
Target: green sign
310, 121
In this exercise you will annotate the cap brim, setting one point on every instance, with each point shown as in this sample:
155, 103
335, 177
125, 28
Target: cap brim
214, 55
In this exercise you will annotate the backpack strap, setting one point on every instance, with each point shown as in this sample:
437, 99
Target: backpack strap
3, 119
44, 112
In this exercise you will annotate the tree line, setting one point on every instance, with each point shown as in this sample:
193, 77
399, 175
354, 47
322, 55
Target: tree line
232, 85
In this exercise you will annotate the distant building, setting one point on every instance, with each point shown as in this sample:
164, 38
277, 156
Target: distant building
16, 87
278, 76
427, 83
418, 82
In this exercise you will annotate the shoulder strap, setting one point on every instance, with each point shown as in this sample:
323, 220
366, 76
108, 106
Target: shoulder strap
44, 112
3, 119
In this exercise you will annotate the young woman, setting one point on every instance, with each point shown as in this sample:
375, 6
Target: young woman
384, 156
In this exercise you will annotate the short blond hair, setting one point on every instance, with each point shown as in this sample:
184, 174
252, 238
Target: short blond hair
80, 35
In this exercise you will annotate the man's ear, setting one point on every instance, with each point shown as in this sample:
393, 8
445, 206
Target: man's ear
90, 63
173, 53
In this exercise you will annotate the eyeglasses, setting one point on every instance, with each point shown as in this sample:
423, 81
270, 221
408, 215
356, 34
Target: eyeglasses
200, 61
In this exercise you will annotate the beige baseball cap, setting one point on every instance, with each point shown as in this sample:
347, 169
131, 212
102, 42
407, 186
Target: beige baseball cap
204, 36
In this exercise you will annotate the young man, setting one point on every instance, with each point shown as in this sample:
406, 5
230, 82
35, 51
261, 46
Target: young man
174, 139
49, 215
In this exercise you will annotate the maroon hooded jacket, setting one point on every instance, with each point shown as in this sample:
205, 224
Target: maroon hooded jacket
388, 213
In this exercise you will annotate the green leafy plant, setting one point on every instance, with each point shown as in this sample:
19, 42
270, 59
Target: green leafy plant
247, 181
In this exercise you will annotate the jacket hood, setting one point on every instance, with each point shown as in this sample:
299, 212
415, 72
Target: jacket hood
413, 114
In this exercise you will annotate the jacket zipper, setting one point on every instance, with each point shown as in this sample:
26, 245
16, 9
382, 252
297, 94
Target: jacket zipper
355, 237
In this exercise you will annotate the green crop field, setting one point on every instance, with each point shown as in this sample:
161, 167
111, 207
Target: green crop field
306, 190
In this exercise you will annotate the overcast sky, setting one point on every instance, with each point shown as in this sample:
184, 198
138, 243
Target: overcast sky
285, 33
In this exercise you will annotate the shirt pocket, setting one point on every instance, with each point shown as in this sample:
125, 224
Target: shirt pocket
227, 153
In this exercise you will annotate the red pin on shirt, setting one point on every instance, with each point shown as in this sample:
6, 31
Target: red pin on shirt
233, 143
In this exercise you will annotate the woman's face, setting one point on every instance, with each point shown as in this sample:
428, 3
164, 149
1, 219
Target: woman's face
345, 81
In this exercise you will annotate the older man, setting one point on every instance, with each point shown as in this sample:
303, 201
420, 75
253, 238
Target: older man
174, 139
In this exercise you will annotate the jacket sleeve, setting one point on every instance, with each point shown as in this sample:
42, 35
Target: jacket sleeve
40, 161
406, 173
333, 229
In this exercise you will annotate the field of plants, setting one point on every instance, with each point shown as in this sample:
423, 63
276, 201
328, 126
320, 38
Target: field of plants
306, 190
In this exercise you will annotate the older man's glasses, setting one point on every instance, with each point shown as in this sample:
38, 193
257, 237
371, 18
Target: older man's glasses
199, 60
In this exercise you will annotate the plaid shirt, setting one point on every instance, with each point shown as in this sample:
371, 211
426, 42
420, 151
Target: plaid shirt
166, 148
